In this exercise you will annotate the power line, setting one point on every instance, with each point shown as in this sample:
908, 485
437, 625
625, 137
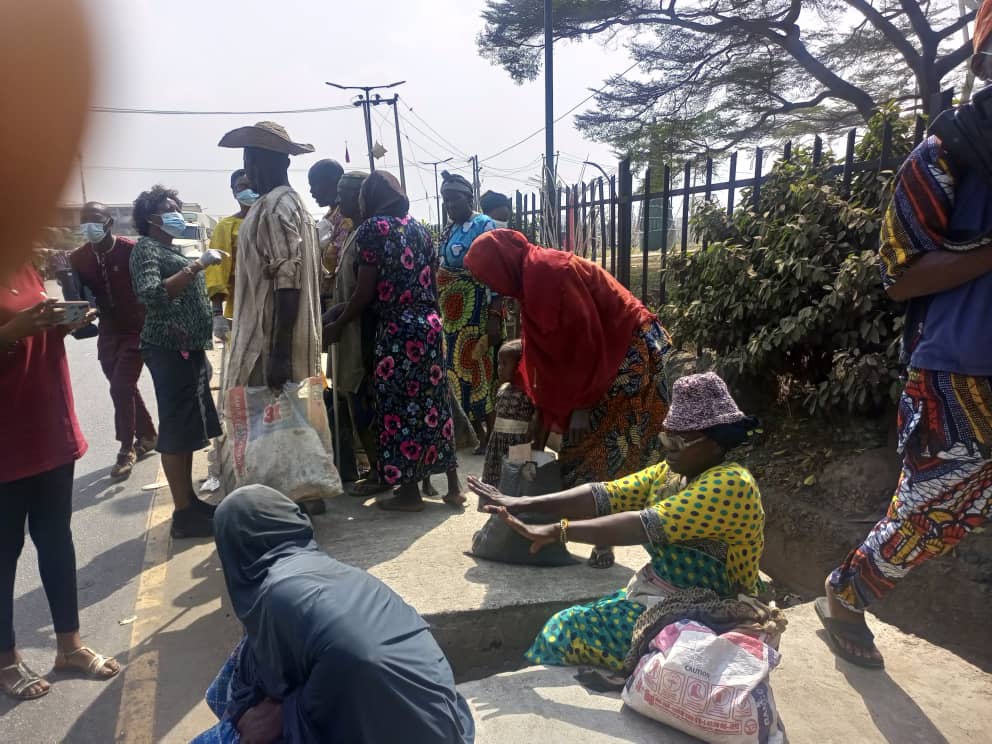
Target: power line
539, 131
178, 112
450, 144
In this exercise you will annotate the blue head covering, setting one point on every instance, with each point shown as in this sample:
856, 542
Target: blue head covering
350, 660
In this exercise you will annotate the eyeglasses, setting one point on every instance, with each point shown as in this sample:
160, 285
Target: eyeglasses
675, 443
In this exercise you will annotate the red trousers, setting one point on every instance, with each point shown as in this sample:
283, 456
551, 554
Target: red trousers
120, 357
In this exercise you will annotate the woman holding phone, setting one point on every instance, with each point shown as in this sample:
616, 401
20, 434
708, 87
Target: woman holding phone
36, 477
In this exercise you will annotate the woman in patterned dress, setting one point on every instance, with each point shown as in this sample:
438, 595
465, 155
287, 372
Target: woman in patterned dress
594, 358
412, 417
472, 312
698, 516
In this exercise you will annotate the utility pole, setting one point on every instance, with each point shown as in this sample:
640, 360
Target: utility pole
366, 104
437, 190
549, 120
82, 180
399, 143
476, 183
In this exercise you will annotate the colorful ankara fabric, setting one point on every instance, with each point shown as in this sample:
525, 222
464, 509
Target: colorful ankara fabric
577, 320
514, 413
625, 424
465, 302
220, 277
412, 415
180, 323
944, 492
710, 535
938, 206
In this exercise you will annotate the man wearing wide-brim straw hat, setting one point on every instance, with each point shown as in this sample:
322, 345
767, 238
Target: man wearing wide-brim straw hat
275, 335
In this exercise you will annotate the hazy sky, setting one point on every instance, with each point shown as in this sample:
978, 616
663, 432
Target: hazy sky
256, 55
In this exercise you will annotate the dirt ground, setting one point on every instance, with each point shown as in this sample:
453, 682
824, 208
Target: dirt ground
824, 485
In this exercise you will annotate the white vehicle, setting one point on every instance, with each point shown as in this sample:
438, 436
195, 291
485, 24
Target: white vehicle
196, 238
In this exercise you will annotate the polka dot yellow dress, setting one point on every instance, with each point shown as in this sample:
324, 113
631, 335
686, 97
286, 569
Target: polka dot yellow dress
709, 535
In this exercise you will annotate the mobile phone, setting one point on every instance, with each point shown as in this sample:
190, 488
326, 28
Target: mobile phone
75, 311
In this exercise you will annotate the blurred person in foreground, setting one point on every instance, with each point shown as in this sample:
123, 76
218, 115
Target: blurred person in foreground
103, 265
220, 277
329, 653
174, 343
41, 442
935, 255
275, 336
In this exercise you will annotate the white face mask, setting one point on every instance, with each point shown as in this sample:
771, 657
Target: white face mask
501, 223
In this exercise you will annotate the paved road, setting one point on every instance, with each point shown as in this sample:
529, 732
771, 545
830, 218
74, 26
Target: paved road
109, 528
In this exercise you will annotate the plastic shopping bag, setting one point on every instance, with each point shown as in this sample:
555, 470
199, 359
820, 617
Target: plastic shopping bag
282, 441
713, 687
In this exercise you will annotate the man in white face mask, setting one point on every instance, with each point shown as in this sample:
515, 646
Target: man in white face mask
102, 265
496, 207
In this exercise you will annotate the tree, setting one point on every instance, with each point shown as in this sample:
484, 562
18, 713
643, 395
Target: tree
716, 73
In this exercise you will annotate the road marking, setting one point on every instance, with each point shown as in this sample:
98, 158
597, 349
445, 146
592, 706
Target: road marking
136, 717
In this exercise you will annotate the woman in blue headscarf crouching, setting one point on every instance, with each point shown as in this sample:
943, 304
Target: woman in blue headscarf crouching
330, 653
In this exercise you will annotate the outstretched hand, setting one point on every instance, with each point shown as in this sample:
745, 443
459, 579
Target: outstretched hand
490, 499
539, 535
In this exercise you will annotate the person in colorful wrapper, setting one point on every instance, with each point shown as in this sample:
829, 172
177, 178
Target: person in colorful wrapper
412, 416
220, 277
103, 267
472, 312
593, 354
935, 255
698, 516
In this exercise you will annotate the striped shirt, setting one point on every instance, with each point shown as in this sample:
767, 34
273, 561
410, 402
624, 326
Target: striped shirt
277, 249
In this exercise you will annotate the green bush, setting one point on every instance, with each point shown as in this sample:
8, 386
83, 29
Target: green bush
789, 295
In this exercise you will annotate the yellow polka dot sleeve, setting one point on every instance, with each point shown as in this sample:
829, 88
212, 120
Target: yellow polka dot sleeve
631, 493
722, 504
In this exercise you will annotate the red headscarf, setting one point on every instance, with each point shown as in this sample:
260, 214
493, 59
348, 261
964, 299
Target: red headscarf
578, 321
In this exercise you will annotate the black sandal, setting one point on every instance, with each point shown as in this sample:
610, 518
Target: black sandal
856, 635
602, 558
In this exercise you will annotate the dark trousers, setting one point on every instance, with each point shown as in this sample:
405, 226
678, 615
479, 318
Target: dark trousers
121, 360
345, 444
45, 501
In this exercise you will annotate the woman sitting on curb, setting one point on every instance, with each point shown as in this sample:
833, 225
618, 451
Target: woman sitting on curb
699, 517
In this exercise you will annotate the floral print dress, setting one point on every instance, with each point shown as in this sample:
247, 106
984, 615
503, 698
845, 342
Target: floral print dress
412, 416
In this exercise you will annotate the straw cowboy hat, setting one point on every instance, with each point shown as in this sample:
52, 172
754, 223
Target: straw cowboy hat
266, 135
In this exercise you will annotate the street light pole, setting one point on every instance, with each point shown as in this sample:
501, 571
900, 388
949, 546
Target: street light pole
366, 104
437, 190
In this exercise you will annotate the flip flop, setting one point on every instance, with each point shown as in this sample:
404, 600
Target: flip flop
28, 678
395, 504
856, 635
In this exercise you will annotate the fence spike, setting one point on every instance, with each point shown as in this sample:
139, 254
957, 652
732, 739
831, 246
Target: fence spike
646, 231
756, 192
817, 150
849, 161
686, 179
732, 185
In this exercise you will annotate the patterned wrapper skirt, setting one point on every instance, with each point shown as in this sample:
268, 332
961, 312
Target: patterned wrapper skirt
626, 423
465, 310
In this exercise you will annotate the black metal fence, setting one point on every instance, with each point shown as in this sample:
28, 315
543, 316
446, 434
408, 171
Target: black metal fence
596, 218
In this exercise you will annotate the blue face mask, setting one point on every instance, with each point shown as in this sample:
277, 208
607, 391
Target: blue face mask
247, 197
93, 232
174, 224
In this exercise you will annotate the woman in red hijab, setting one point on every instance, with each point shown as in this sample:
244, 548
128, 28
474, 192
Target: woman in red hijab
594, 357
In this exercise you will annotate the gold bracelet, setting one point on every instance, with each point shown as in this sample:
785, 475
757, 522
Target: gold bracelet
563, 526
